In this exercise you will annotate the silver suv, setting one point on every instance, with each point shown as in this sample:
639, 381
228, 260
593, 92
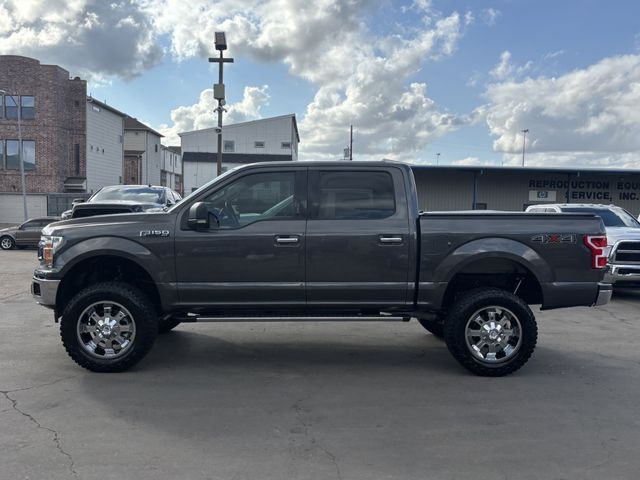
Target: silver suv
623, 237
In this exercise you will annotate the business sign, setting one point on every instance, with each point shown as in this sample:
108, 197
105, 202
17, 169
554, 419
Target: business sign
542, 195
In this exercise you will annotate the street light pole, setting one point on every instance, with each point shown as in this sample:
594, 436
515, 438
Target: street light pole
20, 156
218, 90
437, 158
524, 142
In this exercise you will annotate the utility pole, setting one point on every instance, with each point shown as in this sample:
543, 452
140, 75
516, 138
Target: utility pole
218, 89
351, 143
20, 153
524, 142
437, 158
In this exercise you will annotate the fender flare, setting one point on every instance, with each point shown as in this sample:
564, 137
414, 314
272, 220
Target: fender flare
115, 247
494, 247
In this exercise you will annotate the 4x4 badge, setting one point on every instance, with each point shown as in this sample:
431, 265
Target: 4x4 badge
554, 238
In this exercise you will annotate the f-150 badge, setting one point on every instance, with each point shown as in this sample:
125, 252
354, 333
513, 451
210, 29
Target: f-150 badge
154, 233
554, 238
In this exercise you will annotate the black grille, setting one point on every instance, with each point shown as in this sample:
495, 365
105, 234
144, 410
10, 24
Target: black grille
628, 252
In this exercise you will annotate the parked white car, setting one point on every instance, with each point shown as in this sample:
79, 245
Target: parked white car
623, 237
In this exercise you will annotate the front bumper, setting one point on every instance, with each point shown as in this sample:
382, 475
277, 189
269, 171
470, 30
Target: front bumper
619, 273
605, 290
45, 291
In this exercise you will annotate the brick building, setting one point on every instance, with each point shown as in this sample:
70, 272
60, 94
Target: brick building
53, 116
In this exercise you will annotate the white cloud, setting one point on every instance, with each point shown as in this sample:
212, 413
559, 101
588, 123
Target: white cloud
491, 15
362, 78
468, 161
202, 115
506, 70
587, 116
92, 38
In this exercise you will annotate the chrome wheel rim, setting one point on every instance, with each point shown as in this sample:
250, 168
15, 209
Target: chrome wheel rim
106, 330
493, 334
6, 243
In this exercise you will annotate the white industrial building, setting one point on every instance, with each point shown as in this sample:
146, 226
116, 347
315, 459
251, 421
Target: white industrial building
267, 139
105, 145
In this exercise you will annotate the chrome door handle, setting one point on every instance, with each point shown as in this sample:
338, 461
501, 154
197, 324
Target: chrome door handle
390, 240
287, 240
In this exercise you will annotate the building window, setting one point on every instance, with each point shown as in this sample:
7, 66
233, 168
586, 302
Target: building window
28, 105
1, 107
229, 146
28, 152
11, 107
120, 138
76, 157
286, 145
156, 147
258, 144
1, 154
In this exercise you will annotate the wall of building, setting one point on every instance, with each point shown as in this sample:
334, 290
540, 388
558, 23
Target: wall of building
12, 210
58, 125
272, 131
509, 189
151, 159
105, 158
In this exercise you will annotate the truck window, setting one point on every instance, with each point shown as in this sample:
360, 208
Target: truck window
254, 197
355, 195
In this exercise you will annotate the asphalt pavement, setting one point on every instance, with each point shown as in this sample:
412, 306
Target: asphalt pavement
318, 401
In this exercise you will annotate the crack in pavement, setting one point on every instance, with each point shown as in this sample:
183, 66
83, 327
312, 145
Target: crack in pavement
299, 411
56, 436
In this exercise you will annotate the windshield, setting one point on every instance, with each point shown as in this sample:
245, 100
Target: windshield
136, 194
610, 218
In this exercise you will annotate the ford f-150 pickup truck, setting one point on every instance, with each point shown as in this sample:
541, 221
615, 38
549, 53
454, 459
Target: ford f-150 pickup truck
316, 241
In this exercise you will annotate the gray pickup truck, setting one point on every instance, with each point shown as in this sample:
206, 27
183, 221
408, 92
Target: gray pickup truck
316, 241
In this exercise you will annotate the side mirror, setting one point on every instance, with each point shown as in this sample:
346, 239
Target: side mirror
198, 216
77, 200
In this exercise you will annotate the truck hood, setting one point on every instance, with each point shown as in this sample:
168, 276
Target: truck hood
102, 221
616, 234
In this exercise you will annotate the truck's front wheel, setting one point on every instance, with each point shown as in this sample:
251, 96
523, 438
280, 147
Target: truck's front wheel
108, 327
491, 332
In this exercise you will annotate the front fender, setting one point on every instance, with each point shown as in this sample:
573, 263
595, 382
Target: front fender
117, 247
493, 247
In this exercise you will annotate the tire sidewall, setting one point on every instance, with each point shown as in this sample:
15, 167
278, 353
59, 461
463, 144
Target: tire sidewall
138, 306
456, 323
12, 244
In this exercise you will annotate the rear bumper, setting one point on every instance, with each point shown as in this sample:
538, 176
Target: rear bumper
45, 291
620, 273
605, 290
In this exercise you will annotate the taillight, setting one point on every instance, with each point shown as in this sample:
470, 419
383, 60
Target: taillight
597, 245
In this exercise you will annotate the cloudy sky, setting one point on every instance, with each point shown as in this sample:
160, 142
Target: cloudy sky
415, 78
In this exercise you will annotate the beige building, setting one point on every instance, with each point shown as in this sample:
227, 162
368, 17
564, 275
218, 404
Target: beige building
143, 153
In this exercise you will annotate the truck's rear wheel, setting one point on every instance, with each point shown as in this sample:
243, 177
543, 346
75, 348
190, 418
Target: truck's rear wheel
435, 326
108, 327
491, 332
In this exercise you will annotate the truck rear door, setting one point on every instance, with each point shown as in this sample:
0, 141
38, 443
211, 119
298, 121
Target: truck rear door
358, 237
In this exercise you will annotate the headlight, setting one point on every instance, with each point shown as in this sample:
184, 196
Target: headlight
47, 248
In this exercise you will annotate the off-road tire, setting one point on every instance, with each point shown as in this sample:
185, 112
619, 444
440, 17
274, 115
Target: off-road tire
460, 313
435, 326
7, 243
166, 325
142, 310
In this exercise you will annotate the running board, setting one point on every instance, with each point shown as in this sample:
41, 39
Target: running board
377, 318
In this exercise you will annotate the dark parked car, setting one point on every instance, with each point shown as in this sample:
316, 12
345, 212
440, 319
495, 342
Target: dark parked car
26, 234
124, 199
317, 241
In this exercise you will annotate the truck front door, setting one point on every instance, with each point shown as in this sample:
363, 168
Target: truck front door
255, 257
358, 237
